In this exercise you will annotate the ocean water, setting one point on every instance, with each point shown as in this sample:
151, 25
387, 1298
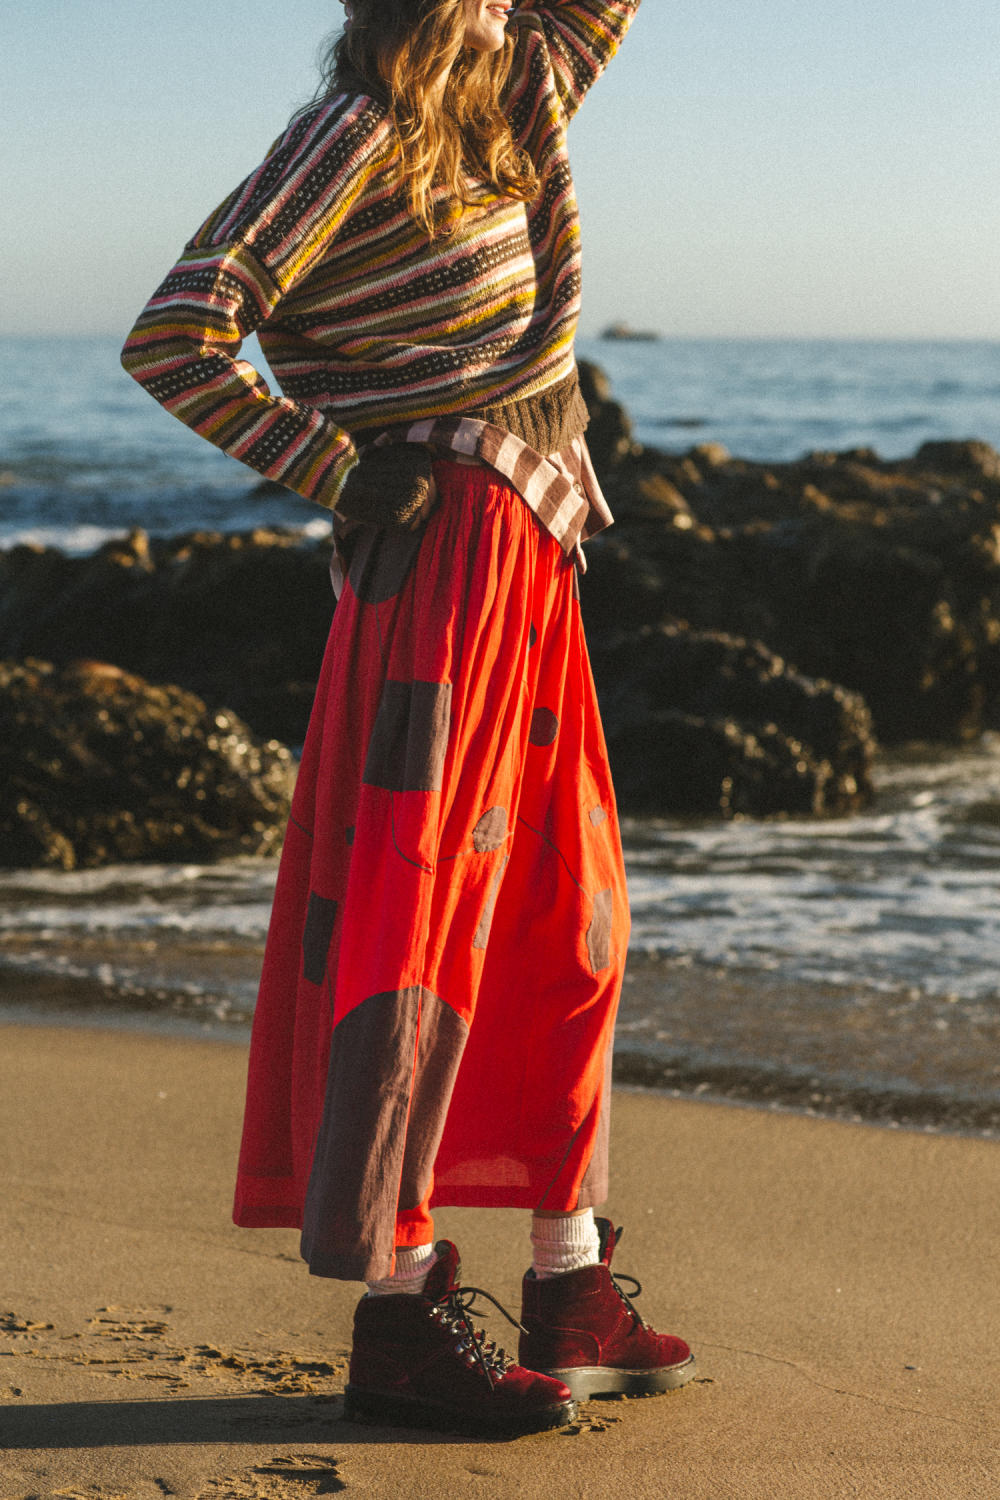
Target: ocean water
776, 399
848, 965
85, 454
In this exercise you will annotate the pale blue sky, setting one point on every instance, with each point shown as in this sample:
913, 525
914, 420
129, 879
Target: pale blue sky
747, 167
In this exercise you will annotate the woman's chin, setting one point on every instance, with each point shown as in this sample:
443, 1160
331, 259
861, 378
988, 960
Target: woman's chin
487, 39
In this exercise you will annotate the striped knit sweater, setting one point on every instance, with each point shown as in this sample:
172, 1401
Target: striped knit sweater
367, 324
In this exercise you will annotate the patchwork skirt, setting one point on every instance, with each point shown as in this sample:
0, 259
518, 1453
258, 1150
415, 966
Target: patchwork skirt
450, 921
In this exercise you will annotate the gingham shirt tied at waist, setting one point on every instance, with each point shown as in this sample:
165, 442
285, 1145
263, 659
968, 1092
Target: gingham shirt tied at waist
561, 489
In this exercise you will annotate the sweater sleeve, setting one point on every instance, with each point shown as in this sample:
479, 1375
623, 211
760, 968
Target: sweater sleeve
582, 36
232, 277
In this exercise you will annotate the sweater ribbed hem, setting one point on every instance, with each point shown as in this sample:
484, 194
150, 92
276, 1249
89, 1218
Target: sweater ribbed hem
548, 422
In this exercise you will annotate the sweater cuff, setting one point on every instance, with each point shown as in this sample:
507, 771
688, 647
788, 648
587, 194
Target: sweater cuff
388, 487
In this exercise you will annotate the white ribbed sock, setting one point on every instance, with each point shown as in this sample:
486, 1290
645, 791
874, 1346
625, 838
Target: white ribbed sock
564, 1244
413, 1262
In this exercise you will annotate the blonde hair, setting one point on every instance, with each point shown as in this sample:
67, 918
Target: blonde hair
402, 47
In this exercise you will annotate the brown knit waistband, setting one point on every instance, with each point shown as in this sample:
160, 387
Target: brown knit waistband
547, 422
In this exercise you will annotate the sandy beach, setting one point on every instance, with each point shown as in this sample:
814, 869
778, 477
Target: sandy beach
838, 1281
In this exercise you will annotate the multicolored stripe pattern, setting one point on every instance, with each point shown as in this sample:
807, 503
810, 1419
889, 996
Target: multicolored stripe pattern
363, 320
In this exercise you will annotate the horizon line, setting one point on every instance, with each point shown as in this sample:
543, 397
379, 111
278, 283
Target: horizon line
643, 336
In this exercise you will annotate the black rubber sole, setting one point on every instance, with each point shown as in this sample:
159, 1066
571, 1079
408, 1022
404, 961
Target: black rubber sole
591, 1382
375, 1408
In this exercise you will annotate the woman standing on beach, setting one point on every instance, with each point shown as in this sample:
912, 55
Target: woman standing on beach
450, 922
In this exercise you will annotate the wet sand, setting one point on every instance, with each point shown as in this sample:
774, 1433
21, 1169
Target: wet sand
703, 1030
838, 1282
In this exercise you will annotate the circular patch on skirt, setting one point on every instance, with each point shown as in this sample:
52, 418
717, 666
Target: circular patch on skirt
491, 830
544, 727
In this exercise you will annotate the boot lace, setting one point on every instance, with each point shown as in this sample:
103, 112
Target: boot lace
635, 1289
453, 1312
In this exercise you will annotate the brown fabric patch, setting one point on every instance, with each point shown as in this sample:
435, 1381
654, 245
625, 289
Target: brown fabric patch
599, 932
443, 1035
491, 830
544, 727
351, 1195
409, 739
381, 1125
321, 913
482, 936
381, 562
598, 816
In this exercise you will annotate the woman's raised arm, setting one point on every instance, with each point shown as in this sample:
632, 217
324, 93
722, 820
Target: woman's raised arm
583, 36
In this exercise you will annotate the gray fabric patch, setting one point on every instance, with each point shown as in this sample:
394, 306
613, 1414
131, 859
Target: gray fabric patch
349, 834
381, 1126
532, 636
381, 562
409, 740
482, 936
491, 830
544, 727
598, 816
321, 913
599, 932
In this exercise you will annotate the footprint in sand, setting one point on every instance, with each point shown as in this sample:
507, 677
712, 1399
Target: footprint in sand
11, 1323
115, 1322
287, 1476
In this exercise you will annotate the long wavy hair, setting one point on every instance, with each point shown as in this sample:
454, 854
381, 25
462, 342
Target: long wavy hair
402, 47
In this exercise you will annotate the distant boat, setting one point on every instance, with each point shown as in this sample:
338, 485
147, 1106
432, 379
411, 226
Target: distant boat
623, 331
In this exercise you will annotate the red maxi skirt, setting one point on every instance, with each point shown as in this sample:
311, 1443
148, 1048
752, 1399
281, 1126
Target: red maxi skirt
450, 921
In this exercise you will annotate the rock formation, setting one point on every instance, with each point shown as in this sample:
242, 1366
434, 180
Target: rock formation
753, 627
239, 619
97, 766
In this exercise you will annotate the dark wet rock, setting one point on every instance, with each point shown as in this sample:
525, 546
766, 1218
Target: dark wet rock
609, 436
240, 619
969, 457
699, 722
721, 610
884, 578
97, 765
694, 723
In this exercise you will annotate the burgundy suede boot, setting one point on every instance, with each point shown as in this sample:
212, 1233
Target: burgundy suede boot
417, 1361
581, 1328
